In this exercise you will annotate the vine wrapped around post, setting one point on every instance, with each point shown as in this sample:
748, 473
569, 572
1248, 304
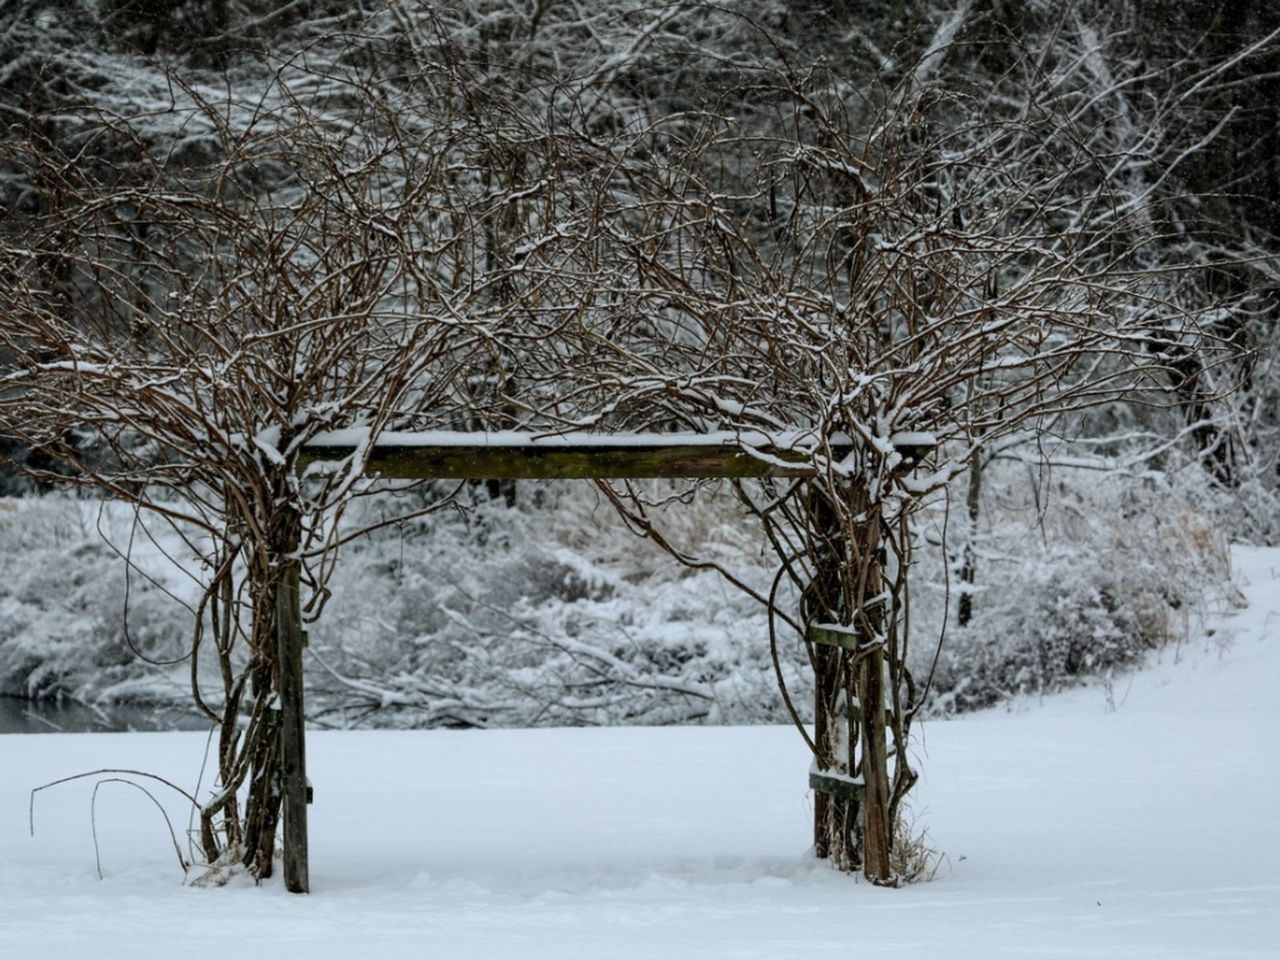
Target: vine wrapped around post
849, 612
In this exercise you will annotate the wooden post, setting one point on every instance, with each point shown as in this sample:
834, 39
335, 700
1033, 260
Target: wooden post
869, 679
876, 864
292, 730
836, 814
851, 781
822, 801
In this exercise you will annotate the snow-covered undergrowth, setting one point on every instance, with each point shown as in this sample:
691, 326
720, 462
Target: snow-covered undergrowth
73, 621
1076, 578
1139, 826
548, 613
552, 613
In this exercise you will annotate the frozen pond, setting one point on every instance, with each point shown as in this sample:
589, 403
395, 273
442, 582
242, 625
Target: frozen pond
46, 716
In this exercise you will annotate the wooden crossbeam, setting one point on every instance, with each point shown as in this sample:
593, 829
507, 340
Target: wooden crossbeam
513, 456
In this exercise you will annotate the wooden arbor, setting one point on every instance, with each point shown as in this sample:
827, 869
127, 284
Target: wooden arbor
846, 805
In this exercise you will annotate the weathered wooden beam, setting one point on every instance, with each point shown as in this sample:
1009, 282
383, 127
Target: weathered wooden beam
564, 462
462, 456
878, 849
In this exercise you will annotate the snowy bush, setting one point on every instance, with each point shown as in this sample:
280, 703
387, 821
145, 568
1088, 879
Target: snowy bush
64, 630
546, 615
1076, 578
551, 612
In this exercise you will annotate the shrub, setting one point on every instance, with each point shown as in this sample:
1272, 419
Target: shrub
1105, 570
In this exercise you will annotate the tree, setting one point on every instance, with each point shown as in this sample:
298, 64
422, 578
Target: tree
178, 333
852, 285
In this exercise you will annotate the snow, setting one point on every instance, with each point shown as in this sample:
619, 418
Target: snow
356, 436
1132, 819
914, 438
268, 441
784, 438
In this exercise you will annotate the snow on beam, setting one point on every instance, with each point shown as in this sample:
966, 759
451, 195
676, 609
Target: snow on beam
515, 456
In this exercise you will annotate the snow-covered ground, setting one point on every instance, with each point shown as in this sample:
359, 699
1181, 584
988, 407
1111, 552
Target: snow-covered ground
1134, 820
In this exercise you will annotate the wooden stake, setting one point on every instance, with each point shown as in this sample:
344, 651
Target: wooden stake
875, 770
292, 731
822, 801
835, 814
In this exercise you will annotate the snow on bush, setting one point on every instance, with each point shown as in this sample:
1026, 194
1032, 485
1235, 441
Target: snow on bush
1076, 577
64, 630
547, 613
552, 612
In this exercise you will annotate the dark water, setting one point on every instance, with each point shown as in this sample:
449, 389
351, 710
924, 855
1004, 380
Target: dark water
42, 716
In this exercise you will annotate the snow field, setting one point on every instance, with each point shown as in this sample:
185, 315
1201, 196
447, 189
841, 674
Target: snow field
1135, 821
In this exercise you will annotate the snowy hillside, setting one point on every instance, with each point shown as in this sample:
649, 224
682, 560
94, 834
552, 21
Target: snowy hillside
1132, 821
